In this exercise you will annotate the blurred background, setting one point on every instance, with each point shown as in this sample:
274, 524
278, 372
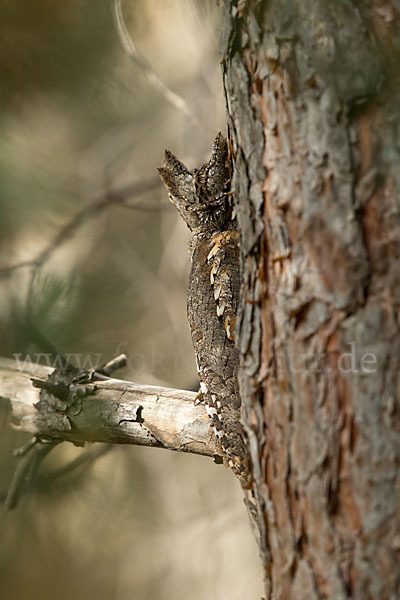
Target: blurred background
83, 122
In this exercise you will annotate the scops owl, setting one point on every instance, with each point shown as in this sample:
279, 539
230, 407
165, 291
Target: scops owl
202, 198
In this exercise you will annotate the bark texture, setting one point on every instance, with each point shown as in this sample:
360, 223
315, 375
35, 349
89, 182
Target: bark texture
313, 111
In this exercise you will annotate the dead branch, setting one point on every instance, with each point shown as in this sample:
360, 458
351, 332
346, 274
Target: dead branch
111, 411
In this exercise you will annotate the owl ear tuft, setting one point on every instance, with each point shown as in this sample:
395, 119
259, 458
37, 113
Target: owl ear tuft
174, 164
172, 172
219, 152
218, 168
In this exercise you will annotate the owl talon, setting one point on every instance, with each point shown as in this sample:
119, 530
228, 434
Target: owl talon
199, 398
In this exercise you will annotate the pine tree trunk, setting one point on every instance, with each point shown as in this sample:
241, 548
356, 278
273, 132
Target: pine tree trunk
313, 112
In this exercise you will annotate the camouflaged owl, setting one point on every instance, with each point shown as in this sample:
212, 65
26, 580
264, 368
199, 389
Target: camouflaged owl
202, 198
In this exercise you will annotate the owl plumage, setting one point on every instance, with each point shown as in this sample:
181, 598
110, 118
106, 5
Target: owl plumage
202, 198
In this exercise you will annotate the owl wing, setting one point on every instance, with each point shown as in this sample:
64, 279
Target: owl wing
212, 305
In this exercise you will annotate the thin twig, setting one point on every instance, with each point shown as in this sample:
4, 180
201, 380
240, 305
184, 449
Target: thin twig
117, 197
118, 362
138, 58
27, 468
84, 460
22, 485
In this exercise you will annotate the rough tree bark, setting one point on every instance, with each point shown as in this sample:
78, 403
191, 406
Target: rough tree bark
313, 111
